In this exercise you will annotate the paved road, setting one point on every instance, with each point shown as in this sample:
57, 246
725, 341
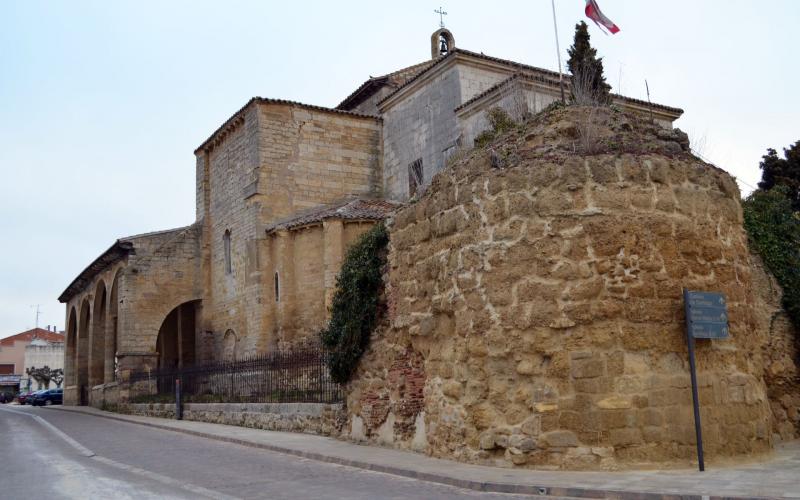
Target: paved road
134, 461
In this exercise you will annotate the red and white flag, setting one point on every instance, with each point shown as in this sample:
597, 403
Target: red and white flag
593, 13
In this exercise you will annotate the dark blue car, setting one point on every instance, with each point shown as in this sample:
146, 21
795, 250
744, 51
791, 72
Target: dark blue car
48, 397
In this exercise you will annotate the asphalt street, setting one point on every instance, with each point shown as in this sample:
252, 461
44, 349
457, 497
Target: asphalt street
42, 461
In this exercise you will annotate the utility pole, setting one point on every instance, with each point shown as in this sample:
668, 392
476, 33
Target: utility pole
38, 313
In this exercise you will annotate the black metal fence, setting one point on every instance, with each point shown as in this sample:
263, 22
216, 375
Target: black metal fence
298, 376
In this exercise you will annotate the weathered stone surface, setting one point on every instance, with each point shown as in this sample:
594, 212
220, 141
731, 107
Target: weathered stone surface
314, 418
568, 327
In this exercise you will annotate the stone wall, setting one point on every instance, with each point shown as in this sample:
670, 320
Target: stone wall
104, 396
119, 312
782, 374
152, 284
536, 314
311, 157
518, 97
420, 126
273, 159
306, 260
311, 418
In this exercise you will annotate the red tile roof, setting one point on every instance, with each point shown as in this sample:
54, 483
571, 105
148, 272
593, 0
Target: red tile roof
358, 209
35, 333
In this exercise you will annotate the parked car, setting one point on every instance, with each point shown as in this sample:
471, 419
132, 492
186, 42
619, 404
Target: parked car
23, 397
48, 397
6, 397
28, 399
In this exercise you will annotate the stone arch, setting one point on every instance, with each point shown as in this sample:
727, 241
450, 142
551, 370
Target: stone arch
442, 39
97, 350
82, 371
230, 346
70, 356
175, 344
111, 368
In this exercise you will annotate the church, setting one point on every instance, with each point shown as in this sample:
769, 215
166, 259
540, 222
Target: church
282, 189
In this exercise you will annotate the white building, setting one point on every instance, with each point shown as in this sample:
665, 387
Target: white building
41, 353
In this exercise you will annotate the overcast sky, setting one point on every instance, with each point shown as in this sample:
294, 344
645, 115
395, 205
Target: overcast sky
102, 103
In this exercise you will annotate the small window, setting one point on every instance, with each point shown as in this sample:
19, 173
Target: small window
277, 288
414, 176
226, 243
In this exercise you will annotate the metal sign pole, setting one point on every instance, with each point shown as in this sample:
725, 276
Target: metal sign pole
178, 402
695, 398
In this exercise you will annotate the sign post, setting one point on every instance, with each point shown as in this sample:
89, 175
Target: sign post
706, 318
178, 401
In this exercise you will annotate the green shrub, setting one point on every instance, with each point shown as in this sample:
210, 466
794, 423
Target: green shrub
484, 138
354, 309
773, 229
500, 120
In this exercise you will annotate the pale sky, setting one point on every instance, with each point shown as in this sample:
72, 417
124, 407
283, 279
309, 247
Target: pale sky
102, 103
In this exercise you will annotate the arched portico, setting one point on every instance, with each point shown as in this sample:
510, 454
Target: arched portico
175, 344
98, 336
70, 357
112, 329
82, 371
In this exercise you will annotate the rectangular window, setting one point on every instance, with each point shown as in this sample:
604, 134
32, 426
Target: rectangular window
7, 369
415, 176
226, 247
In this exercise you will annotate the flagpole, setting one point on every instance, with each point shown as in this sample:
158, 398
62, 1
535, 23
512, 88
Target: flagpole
558, 53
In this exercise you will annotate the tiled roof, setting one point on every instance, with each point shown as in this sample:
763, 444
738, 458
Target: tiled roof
238, 116
35, 333
358, 209
396, 78
119, 250
541, 71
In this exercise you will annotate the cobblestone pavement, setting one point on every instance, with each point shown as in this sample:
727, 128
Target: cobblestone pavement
134, 461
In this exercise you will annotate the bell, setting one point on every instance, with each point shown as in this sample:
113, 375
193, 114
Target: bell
443, 46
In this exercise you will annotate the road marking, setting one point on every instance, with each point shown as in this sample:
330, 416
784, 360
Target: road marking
199, 490
86, 452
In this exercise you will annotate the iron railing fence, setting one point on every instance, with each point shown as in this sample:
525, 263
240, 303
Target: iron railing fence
297, 376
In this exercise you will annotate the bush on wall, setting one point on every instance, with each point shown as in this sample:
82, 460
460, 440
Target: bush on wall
774, 232
354, 309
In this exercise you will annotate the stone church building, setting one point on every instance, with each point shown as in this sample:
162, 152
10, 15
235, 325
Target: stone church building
282, 188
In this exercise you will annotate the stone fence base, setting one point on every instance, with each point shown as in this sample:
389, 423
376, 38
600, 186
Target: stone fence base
311, 418
104, 396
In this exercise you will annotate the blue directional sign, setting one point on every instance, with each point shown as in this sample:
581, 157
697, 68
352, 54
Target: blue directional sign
706, 314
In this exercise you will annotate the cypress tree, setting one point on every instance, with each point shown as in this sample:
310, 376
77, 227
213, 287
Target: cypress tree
588, 83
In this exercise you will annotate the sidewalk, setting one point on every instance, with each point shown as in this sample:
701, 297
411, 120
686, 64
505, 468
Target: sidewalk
777, 478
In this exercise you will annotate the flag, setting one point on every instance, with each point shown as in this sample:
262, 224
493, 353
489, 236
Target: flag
593, 13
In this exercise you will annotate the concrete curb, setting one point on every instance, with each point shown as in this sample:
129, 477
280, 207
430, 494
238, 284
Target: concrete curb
484, 486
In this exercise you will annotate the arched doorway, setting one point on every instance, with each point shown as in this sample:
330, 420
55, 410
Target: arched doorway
98, 347
83, 353
176, 337
70, 365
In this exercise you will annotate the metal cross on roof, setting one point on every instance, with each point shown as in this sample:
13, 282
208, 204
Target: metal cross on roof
441, 18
